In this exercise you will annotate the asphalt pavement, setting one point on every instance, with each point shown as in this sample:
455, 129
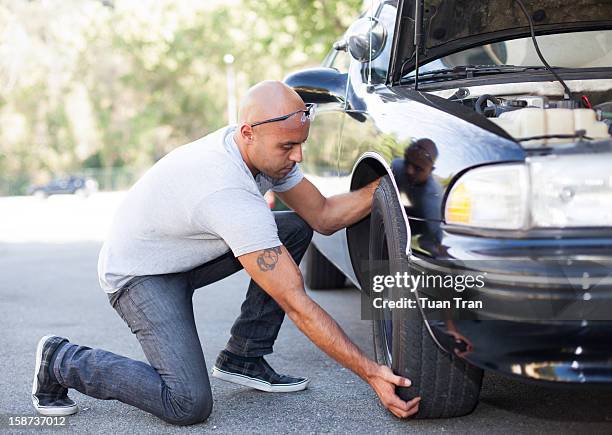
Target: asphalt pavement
52, 287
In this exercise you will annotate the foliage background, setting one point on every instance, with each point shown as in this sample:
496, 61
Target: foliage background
109, 87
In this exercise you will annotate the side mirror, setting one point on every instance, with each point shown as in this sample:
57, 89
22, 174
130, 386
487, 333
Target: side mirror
341, 45
366, 39
319, 85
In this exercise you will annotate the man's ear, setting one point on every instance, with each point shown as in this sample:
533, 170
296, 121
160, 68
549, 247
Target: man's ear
246, 131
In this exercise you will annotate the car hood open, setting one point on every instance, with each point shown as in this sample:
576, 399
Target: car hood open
449, 26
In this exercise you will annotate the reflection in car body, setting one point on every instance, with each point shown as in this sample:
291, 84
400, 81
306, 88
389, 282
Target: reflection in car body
515, 182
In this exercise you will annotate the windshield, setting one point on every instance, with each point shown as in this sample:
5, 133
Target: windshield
567, 50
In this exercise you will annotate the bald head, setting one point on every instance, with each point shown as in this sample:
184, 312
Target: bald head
268, 99
272, 147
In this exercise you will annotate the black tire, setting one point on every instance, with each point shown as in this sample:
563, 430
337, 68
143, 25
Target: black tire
448, 385
321, 274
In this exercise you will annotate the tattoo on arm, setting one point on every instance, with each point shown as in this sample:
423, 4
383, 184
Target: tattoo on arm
268, 258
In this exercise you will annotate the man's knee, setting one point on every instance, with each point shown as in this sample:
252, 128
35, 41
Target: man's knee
194, 411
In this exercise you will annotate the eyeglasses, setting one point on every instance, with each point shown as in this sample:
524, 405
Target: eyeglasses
307, 115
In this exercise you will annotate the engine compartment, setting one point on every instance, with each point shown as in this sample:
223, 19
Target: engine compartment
539, 119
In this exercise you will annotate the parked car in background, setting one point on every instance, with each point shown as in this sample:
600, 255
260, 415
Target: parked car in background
74, 185
491, 161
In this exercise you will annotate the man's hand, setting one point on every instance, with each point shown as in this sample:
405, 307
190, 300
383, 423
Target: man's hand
384, 381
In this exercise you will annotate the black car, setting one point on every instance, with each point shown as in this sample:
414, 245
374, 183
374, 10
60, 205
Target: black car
65, 185
496, 160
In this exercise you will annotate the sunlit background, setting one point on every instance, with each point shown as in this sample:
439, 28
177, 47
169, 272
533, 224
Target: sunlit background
101, 89
104, 88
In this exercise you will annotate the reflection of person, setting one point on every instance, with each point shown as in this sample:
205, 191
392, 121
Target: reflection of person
195, 217
422, 194
462, 346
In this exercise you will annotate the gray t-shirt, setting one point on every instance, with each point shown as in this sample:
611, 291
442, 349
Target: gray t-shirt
195, 204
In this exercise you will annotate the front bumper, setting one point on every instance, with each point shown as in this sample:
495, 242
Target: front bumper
546, 314
577, 352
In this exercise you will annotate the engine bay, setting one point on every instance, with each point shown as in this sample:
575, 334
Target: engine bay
536, 120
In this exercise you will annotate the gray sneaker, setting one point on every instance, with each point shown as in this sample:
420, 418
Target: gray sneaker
48, 396
255, 373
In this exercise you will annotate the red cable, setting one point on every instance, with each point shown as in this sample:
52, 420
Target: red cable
586, 102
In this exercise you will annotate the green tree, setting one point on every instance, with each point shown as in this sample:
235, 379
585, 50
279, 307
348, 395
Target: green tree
153, 79
299, 32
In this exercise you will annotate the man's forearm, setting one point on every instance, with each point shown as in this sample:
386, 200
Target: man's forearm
281, 279
345, 209
323, 331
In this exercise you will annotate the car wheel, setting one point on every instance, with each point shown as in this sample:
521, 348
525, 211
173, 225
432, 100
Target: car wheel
448, 386
321, 274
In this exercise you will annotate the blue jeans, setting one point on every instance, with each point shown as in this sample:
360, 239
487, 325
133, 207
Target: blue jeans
158, 310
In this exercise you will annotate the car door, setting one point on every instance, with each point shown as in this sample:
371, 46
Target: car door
360, 131
364, 104
322, 147
320, 163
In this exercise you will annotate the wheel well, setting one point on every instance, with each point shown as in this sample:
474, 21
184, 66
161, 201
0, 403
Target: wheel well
366, 170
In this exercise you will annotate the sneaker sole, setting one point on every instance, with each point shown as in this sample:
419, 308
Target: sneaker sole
53, 411
258, 384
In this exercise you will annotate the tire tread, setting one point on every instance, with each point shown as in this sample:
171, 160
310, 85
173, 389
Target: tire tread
448, 385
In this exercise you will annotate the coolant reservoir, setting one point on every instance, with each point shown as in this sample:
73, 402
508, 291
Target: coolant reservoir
533, 122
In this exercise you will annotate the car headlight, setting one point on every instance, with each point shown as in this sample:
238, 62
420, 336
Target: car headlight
544, 192
571, 190
490, 197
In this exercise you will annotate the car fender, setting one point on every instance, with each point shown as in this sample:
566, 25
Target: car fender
360, 177
369, 166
